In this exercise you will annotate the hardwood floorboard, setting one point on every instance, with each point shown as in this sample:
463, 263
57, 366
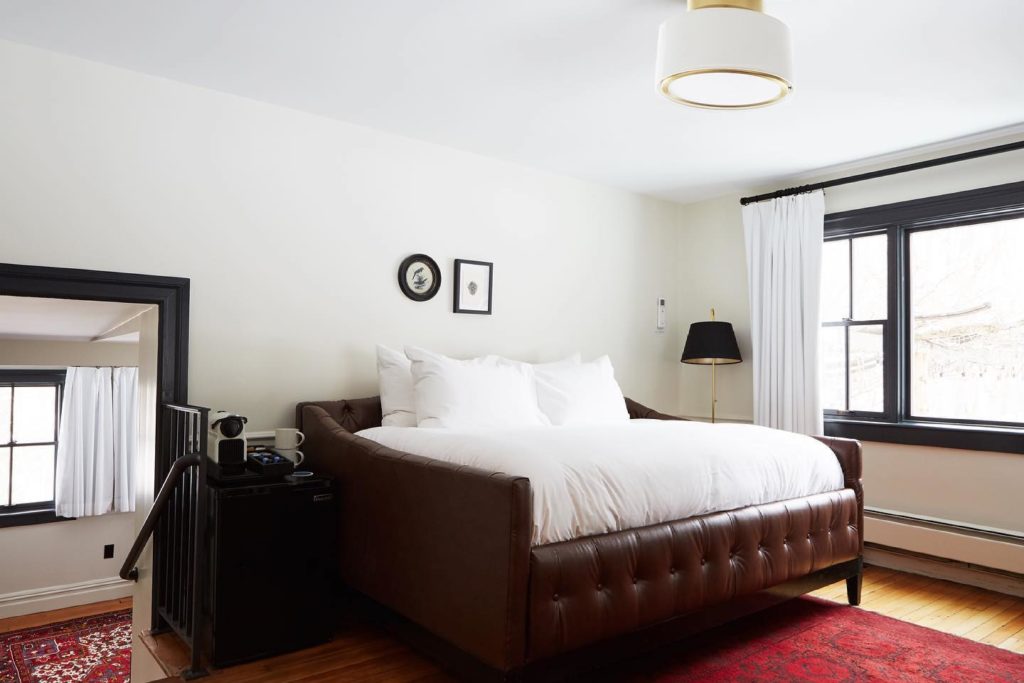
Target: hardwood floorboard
1004, 633
965, 626
52, 617
994, 623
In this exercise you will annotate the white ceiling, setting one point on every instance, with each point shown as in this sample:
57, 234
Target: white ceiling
567, 85
41, 319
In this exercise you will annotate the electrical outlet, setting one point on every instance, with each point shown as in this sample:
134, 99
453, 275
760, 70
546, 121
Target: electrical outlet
108, 551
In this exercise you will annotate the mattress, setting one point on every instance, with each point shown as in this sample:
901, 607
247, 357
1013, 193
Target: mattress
597, 479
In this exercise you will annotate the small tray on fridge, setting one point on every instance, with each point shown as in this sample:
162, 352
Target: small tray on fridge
268, 462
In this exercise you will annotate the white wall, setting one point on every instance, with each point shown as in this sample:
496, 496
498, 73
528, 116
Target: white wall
713, 274
67, 353
291, 228
50, 566
972, 487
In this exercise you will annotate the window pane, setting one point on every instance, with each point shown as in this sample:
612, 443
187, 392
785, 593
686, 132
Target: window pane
34, 414
867, 379
5, 414
870, 279
966, 287
833, 368
33, 474
5, 475
835, 281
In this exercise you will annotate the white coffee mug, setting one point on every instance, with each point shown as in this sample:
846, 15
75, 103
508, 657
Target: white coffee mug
292, 454
288, 439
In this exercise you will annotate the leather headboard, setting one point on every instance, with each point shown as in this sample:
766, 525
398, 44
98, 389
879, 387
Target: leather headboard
362, 413
352, 414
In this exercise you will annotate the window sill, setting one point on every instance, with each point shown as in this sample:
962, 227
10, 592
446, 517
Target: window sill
29, 517
943, 435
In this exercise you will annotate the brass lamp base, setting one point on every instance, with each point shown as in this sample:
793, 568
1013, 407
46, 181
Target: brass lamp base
714, 382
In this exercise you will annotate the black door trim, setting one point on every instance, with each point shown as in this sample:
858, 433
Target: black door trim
170, 294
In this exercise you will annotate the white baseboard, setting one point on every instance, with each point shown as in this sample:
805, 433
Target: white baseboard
59, 597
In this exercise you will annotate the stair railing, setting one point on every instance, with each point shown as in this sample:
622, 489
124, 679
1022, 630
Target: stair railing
177, 522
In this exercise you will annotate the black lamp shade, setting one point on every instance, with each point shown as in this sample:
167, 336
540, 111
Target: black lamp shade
711, 341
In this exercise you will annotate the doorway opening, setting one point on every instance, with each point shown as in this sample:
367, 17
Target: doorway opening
87, 358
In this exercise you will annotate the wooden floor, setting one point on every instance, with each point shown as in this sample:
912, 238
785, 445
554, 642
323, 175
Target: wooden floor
44, 618
364, 653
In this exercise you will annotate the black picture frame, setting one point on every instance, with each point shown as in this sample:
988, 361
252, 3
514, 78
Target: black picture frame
403, 281
457, 290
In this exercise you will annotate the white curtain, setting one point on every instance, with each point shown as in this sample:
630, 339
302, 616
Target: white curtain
126, 436
97, 443
784, 244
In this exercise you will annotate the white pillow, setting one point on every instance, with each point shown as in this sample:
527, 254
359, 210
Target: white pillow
580, 394
571, 359
482, 393
396, 396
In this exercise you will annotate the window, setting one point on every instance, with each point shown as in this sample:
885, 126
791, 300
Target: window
922, 336
855, 322
29, 410
967, 316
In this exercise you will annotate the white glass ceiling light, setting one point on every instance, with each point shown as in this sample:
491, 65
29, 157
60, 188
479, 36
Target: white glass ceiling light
724, 54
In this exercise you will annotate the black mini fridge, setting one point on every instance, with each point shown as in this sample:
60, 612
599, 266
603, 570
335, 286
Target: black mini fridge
272, 569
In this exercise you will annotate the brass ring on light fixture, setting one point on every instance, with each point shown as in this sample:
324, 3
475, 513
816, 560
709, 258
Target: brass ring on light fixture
755, 5
784, 89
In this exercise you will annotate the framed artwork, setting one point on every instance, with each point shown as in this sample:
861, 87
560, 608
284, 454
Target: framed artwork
419, 277
473, 283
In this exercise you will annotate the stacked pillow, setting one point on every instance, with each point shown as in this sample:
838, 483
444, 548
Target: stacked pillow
425, 389
397, 400
583, 393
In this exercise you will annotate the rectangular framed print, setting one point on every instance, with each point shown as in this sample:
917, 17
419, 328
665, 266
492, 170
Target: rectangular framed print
473, 282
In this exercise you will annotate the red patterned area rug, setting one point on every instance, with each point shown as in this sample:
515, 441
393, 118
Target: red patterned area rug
93, 649
814, 640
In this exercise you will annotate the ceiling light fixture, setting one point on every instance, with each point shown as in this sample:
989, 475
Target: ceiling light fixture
724, 54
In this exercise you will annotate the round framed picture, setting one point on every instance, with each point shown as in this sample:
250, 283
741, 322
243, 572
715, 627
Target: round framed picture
419, 277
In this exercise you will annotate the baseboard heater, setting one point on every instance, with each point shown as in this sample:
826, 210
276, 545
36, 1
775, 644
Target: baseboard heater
979, 576
923, 521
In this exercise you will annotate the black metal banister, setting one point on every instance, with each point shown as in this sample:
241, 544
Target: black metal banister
177, 524
129, 570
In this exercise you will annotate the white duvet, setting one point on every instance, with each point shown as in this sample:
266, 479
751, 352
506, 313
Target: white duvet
601, 478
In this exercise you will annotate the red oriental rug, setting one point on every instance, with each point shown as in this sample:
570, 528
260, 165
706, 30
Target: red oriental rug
88, 650
808, 640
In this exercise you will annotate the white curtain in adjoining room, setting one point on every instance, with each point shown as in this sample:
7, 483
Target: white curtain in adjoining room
97, 442
126, 436
784, 239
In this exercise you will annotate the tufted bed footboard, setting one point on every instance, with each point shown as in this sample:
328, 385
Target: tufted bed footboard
445, 551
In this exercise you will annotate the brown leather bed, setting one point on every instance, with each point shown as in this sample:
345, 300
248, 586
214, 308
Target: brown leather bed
445, 551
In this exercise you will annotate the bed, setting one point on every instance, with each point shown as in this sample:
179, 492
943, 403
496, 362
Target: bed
451, 556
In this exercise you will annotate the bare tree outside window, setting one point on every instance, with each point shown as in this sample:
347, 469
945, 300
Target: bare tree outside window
967, 308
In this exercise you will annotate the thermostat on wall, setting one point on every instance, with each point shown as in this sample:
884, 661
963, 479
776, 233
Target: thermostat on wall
660, 328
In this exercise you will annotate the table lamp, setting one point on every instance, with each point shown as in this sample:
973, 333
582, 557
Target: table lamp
711, 343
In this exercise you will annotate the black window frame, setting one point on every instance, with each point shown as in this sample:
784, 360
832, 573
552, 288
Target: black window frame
44, 511
897, 424
888, 411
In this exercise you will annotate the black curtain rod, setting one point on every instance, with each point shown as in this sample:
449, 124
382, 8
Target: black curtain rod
941, 161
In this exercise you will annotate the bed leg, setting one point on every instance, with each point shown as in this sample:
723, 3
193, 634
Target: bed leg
853, 585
